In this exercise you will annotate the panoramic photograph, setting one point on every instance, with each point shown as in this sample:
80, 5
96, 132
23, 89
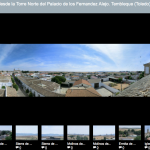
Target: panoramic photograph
52, 132
147, 132
78, 132
26, 132
5, 132
104, 132
74, 70
129, 132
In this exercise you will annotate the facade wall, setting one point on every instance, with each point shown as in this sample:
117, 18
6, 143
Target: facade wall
105, 79
145, 68
92, 84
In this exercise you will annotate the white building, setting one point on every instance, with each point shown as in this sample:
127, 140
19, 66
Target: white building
41, 88
96, 83
17, 74
5, 81
74, 77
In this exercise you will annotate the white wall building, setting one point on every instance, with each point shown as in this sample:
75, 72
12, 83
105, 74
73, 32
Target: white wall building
96, 83
75, 77
38, 88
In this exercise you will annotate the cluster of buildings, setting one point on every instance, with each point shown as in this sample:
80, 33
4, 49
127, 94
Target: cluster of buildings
82, 88
78, 83
2, 137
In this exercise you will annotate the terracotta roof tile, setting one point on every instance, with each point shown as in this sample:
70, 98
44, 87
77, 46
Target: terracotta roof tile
81, 81
88, 92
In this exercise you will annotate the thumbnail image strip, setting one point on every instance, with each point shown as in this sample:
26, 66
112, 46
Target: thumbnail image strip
104, 132
77, 132
129, 132
52, 132
26, 132
5, 132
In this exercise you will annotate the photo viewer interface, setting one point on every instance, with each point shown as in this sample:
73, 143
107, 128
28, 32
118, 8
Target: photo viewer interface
74, 6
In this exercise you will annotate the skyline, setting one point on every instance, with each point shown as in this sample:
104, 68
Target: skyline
52, 129
101, 130
78, 129
6, 128
74, 57
27, 129
129, 126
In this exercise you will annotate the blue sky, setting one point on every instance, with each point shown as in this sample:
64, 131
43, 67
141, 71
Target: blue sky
129, 126
77, 129
97, 130
52, 129
147, 127
27, 129
74, 57
6, 128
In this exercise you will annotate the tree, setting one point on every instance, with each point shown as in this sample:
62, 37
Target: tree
71, 136
30, 94
3, 87
9, 137
12, 80
89, 77
85, 138
104, 138
93, 138
3, 132
137, 138
78, 137
130, 77
58, 79
120, 79
27, 91
132, 130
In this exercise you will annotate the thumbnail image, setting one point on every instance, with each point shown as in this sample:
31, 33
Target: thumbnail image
104, 132
26, 132
147, 132
78, 132
129, 132
52, 132
5, 132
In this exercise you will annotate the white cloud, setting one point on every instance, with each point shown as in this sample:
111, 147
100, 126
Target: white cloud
113, 51
6, 50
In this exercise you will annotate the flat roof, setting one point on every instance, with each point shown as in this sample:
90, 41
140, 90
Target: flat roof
113, 78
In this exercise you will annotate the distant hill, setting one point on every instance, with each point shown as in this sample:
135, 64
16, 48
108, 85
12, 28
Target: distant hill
78, 134
104, 134
52, 134
129, 128
26, 134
